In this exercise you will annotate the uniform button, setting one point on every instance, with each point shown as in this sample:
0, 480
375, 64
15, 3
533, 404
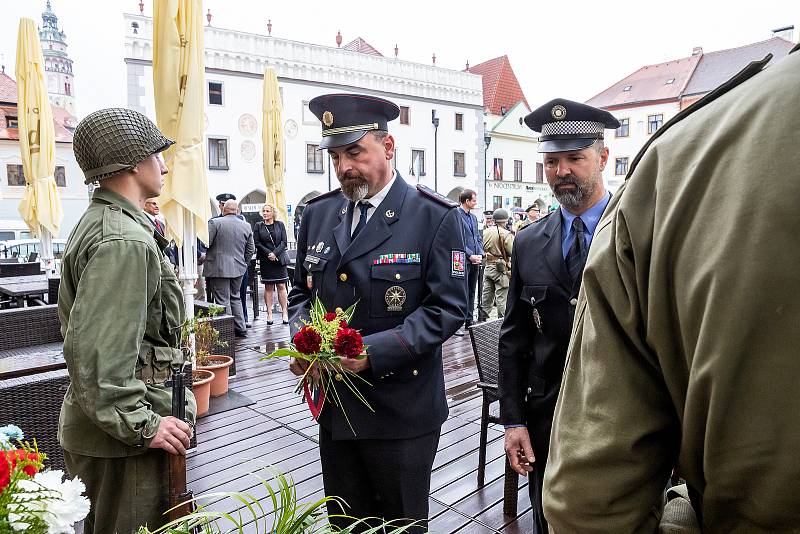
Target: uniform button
343, 277
397, 276
415, 372
573, 302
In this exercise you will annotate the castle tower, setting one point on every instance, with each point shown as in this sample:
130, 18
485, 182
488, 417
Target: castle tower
58, 65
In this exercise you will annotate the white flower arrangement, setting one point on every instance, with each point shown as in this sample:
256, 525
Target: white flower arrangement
32, 500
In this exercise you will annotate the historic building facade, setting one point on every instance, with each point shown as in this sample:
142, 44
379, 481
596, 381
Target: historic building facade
439, 134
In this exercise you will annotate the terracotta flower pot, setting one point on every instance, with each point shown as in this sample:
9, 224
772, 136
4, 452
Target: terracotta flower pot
220, 366
201, 387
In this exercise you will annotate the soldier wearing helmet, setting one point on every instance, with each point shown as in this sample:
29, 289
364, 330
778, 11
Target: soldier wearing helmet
121, 311
497, 244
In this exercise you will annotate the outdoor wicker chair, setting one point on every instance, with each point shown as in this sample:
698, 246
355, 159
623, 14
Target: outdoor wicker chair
27, 327
485, 341
53, 282
33, 403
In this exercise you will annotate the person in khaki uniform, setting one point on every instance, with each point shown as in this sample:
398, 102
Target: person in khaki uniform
684, 352
121, 311
498, 263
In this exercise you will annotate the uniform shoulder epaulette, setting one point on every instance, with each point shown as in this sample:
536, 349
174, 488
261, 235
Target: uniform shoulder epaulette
436, 197
329, 194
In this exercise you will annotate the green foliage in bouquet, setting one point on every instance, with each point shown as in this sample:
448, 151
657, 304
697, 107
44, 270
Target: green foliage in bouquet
206, 337
282, 513
323, 341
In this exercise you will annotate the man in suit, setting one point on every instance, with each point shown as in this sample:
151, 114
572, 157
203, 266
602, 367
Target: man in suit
230, 247
398, 253
546, 273
151, 210
473, 245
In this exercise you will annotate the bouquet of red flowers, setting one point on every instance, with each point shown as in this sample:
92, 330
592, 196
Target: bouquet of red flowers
324, 339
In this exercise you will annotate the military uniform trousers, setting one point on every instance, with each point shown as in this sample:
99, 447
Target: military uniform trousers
125, 493
379, 478
495, 288
226, 292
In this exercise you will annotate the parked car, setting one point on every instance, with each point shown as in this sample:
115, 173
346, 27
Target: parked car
21, 250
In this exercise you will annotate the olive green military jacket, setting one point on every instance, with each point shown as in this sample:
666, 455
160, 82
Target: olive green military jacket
492, 242
121, 311
685, 350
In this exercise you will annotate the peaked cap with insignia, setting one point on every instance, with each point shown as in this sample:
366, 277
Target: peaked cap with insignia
566, 125
346, 118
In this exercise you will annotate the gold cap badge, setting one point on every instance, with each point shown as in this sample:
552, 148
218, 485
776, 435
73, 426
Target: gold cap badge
327, 118
558, 112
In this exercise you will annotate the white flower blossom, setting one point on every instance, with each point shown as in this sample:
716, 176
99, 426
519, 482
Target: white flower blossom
58, 502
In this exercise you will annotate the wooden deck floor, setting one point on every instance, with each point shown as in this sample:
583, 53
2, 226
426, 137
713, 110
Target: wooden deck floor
278, 431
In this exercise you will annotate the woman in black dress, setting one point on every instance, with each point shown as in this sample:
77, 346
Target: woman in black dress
271, 241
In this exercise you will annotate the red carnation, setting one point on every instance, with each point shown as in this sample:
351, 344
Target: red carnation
330, 316
29, 469
307, 340
348, 343
6, 465
342, 324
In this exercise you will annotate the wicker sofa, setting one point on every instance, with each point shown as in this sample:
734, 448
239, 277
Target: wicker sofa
34, 376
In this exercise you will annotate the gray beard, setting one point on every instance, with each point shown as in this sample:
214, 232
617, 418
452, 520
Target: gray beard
574, 199
355, 193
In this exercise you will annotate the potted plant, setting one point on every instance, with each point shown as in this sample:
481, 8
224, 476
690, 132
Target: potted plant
201, 378
206, 340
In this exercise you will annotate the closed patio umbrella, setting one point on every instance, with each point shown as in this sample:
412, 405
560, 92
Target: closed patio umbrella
178, 77
272, 138
41, 204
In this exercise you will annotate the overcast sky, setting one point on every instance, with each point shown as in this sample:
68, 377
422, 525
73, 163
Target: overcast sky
572, 49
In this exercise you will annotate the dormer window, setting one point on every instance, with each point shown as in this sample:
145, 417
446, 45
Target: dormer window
670, 81
626, 88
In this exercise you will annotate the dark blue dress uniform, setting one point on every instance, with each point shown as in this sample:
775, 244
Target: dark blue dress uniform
405, 271
541, 299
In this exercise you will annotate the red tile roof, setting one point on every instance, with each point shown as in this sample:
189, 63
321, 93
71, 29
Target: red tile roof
715, 68
8, 89
360, 45
649, 84
692, 76
64, 123
500, 86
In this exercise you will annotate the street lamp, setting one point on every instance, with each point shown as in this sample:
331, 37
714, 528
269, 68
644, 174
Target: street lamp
435, 122
487, 139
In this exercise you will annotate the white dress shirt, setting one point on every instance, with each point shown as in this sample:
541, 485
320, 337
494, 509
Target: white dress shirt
374, 202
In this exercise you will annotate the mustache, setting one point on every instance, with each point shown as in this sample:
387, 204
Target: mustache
569, 179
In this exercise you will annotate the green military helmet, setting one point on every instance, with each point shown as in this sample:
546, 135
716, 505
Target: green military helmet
500, 215
112, 140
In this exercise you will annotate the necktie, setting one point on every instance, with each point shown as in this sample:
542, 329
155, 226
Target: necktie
576, 257
362, 219
158, 227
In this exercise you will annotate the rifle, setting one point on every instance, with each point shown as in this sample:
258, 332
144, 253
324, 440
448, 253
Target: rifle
181, 500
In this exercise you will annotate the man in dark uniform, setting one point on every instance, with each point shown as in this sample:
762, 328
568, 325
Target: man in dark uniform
398, 253
546, 273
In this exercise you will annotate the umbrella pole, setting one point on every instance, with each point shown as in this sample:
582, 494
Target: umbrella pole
187, 272
46, 249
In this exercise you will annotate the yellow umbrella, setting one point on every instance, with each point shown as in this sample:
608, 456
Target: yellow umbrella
179, 76
41, 205
272, 137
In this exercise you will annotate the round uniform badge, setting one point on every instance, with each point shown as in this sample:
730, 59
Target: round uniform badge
558, 112
327, 119
395, 298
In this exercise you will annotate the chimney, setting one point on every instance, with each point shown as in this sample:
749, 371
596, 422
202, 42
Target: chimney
338, 39
697, 51
787, 32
